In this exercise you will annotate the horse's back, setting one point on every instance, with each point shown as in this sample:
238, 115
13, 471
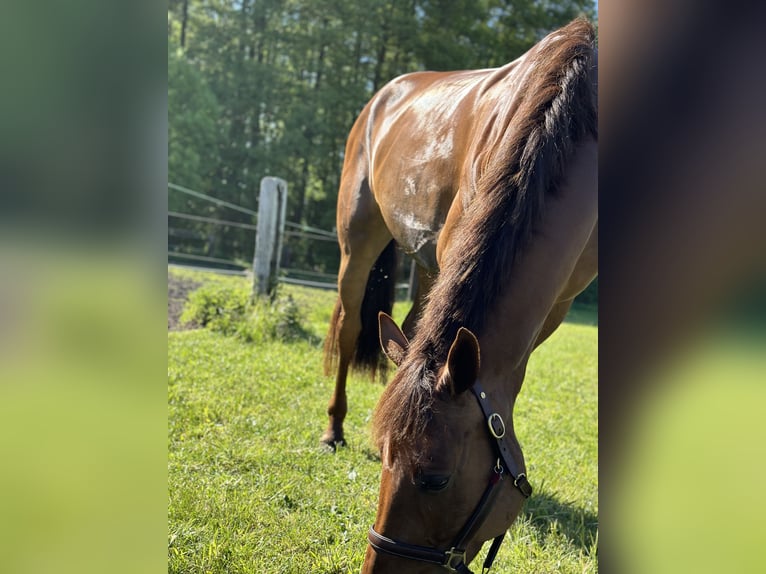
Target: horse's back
417, 134
419, 148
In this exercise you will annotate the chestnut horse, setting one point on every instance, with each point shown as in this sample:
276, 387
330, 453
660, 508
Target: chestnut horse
488, 178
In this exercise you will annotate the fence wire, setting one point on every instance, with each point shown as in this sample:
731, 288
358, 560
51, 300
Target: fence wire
296, 230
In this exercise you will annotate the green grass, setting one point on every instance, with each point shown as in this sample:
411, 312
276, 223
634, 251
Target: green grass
251, 491
206, 277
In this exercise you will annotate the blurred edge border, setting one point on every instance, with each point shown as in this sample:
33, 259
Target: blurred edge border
682, 201
82, 165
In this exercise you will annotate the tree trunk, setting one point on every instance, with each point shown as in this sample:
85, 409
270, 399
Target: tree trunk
357, 57
378, 77
304, 181
321, 56
184, 21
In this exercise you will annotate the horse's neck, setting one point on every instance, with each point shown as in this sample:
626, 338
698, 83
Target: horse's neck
543, 273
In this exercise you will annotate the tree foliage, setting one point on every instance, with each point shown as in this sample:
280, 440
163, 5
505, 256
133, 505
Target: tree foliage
272, 87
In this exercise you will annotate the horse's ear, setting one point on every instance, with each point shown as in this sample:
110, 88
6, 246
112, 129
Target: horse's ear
392, 340
462, 362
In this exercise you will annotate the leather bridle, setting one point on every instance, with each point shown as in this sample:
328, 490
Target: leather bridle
453, 559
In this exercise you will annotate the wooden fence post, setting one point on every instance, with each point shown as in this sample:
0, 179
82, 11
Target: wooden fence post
272, 208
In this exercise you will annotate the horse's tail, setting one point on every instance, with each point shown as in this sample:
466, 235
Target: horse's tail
378, 296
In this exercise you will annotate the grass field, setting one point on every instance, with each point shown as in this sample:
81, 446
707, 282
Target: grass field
251, 491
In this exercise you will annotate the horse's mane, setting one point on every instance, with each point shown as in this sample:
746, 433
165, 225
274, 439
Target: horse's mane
556, 111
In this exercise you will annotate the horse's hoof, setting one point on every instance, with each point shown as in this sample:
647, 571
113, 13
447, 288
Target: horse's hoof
329, 448
331, 441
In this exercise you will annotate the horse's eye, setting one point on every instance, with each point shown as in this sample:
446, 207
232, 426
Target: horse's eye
433, 482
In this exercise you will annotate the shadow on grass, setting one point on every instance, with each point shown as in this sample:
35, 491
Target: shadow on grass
550, 516
374, 456
582, 314
302, 333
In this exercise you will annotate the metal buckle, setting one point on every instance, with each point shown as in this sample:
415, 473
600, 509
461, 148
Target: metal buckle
454, 558
523, 485
496, 417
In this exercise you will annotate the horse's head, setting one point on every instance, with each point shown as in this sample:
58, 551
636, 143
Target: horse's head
450, 461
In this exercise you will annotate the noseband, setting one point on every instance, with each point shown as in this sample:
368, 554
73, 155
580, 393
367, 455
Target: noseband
454, 558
